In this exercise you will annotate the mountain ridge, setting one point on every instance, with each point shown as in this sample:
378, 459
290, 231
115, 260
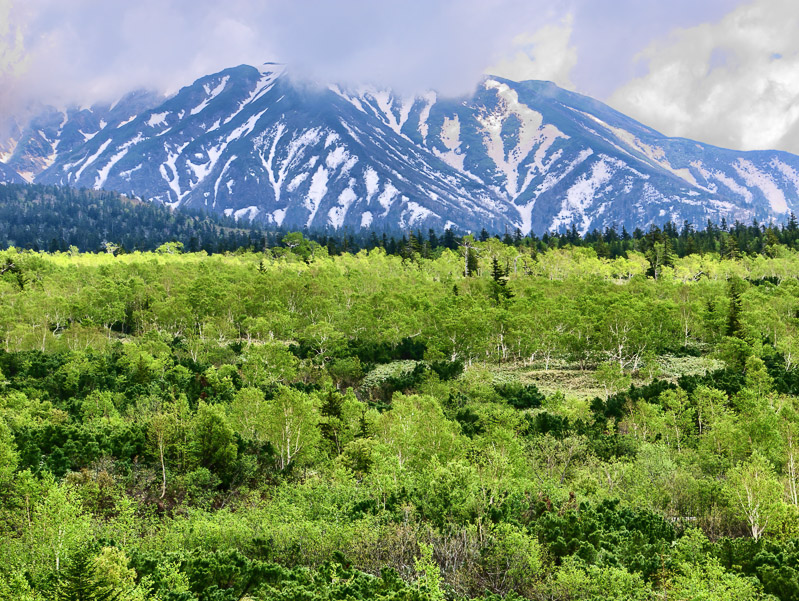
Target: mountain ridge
253, 143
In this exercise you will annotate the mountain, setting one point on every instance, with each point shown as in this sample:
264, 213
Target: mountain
9, 176
256, 144
50, 134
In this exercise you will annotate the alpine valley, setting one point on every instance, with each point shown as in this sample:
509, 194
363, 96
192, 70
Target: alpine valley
255, 143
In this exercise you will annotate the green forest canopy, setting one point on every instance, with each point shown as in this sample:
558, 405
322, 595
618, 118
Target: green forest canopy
492, 419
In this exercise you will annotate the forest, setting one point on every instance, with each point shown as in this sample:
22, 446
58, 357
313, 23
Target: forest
57, 219
610, 416
51, 218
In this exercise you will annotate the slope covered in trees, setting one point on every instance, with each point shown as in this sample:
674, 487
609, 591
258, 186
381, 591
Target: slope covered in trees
51, 218
490, 420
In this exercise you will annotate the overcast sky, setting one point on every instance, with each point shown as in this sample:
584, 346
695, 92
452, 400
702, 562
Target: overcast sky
720, 71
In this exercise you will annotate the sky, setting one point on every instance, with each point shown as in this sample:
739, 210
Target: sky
725, 72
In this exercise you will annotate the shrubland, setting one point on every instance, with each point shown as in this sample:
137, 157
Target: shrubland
488, 420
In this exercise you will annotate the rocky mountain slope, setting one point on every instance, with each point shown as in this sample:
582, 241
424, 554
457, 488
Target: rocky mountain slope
254, 143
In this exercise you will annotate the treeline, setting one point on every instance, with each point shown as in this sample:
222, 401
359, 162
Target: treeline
52, 219
729, 241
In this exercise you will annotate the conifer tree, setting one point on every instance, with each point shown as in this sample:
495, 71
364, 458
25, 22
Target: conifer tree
80, 581
735, 288
496, 272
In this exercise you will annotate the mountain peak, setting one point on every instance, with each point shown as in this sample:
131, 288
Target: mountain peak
251, 143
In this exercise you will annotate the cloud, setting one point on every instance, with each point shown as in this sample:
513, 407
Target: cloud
733, 83
12, 51
411, 45
11, 41
546, 54
86, 50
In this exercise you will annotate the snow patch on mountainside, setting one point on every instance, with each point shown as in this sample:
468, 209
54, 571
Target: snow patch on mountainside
338, 157
276, 179
219, 179
155, 120
759, 179
393, 116
126, 121
552, 179
655, 154
429, 100
170, 173
102, 174
277, 173
386, 198
210, 93
791, 174
531, 121
278, 216
126, 174
526, 215
720, 176
249, 212
580, 195
451, 139
337, 214
7, 148
245, 129
316, 193
297, 181
547, 136
262, 86
351, 132
91, 159
352, 100
413, 214
372, 181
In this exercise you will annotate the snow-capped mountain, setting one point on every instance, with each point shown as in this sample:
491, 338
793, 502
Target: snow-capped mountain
255, 143
32, 148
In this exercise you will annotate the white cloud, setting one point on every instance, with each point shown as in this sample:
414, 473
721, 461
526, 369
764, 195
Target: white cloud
719, 82
733, 83
12, 49
546, 54
88, 50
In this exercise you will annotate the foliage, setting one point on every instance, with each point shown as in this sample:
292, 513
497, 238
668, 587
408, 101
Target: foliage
481, 421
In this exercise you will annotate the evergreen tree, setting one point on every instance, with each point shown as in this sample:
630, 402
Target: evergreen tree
690, 247
497, 273
729, 246
374, 241
450, 241
413, 244
602, 249
80, 581
735, 288
432, 238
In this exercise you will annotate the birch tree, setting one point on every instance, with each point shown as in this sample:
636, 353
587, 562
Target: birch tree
755, 493
291, 424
